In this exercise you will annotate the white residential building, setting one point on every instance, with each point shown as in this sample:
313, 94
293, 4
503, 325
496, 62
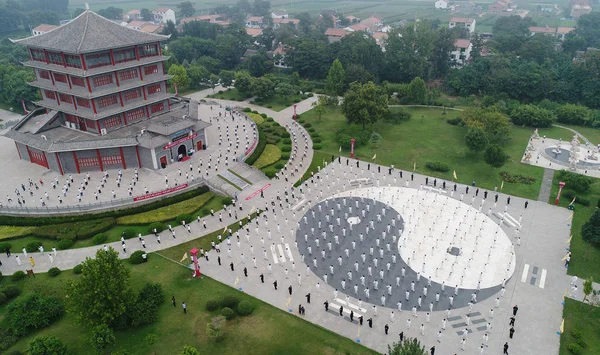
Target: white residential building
441, 4
468, 23
164, 14
43, 28
462, 52
279, 14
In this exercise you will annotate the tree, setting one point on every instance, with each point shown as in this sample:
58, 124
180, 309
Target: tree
573, 114
588, 28
188, 350
532, 116
588, 289
171, 30
263, 88
284, 89
146, 14
365, 103
319, 105
100, 294
356, 72
180, 76
262, 8
258, 65
476, 140
111, 13
13, 84
494, 156
197, 75
186, 9
334, 83
408, 51
243, 81
213, 81
214, 329
359, 49
495, 124
410, 346
417, 91
102, 337
47, 345
590, 231
226, 77
441, 59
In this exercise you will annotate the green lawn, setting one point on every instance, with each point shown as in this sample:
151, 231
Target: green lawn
574, 315
278, 103
585, 260
230, 94
270, 155
431, 138
267, 331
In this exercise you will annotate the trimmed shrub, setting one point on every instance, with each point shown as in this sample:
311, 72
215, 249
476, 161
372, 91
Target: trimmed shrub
212, 305
53, 272
64, 244
437, 166
11, 291
311, 129
264, 115
227, 201
270, 119
33, 246
285, 156
4, 299
99, 238
247, 109
286, 148
186, 217
158, 225
310, 94
17, 276
285, 134
516, 178
574, 348
287, 141
230, 302
317, 140
307, 125
279, 166
4, 246
75, 230
145, 310
316, 146
454, 121
343, 136
78, 269
128, 233
270, 172
245, 308
136, 257
582, 343
228, 313
260, 147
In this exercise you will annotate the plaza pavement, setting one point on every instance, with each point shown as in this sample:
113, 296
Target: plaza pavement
544, 234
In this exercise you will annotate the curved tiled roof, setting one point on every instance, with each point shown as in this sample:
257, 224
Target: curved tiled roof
89, 32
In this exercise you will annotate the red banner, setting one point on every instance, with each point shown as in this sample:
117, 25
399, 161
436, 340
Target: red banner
258, 191
160, 193
180, 141
251, 147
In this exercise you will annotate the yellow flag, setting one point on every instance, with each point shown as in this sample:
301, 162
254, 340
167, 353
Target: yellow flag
501, 185
224, 229
374, 157
572, 202
340, 149
415, 166
184, 258
569, 240
455, 178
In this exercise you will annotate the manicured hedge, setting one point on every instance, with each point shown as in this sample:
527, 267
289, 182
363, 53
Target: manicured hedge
75, 230
136, 257
64, 244
260, 147
53, 272
99, 238
437, 166
39, 221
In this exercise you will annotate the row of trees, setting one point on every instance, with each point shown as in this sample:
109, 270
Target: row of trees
18, 15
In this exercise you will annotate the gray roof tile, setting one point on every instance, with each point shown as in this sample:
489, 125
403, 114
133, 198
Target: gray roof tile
90, 32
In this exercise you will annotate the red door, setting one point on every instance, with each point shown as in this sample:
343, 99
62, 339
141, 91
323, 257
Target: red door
163, 162
199, 145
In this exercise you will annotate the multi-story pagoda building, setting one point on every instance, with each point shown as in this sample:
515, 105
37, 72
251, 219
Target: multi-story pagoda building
104, 102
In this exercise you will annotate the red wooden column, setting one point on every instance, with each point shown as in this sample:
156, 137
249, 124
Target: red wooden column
123, 158
45, 160
29, 153
137, 152
99, 159
76, 162
83, 62
59, 164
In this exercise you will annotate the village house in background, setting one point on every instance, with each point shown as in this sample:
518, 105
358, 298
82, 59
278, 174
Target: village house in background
468, 23
105, 103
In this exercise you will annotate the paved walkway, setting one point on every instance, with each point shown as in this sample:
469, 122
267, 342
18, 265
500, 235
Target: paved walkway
574, 131
546, 188
537, 285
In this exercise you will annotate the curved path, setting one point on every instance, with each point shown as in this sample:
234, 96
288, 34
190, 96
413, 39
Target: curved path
574, 131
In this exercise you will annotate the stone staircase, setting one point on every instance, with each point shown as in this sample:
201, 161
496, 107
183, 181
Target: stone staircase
249, 173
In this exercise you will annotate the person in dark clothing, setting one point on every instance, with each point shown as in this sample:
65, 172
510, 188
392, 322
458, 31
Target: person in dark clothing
290, 290
245, 272
326, 306
505, 348
386, 328
360, 320
341, 310
511, 332
275, 285
308, 298
351, 316
512, 321
432, 350
515, 310
262, 278
370, 322
231, 266
401, 336
173, 301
